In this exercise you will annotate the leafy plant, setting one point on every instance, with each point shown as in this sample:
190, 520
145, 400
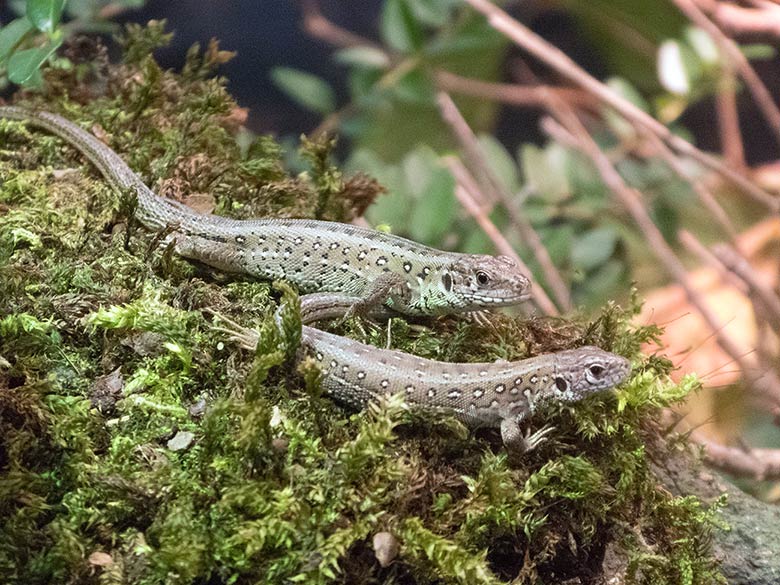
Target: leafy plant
30, 41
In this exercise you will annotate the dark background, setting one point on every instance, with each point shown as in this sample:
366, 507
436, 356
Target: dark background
268, 33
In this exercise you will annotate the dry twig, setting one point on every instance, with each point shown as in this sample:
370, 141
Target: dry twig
468, 193
759, 23
523, 96
731, 51
481, 168
760, 464
564, 65
728, 119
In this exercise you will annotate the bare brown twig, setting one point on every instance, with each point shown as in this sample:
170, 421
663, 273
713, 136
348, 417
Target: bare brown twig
732, 52
632, 202
728, 119
739, 266
468, 193
761, 23
564, 65
524, 96
758, 464
321, 28
481, 168
693, 244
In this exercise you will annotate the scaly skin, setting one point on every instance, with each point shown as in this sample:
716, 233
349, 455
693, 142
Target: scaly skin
480, 394
317, 256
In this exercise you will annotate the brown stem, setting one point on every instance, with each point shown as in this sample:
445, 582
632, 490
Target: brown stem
694, 245
561, 63
728, 120
741, 267
468, 193
758, 24
524, 96
757, 464
757, 88
320, 27
490, 183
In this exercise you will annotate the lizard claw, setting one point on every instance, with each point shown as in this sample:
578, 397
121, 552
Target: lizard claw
533, 440
519, 442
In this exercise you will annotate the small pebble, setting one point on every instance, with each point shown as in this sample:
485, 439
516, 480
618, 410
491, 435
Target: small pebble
386, 548
181, 440
198, 408
280, 444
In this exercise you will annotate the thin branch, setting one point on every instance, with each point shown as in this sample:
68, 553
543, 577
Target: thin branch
731, 50
728, 119
321, 28
564, 65
695, 246
632, 202
742, 268
524, 96
758, 24
478, 164
760, 464
702, 192
468, 193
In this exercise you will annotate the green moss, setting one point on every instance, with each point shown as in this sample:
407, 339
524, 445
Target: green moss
107, 351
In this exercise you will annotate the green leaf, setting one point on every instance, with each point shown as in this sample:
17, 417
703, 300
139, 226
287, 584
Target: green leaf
306, 89
365, 57
594, 248
678, 67
433, 12
12, 34
399, 28
623, 88
435, 211
45, 14
415, 87
703, 45
546, 171
758, 51
23, 66
666, 217
500, 161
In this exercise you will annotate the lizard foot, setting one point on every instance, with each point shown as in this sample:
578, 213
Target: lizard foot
518, 442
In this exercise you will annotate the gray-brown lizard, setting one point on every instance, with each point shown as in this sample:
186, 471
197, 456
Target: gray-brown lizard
480, 394
315, 255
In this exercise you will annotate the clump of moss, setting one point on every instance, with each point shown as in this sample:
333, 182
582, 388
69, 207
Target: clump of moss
138, 446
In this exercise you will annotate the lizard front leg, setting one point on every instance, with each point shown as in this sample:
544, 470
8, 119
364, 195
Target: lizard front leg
518, 442
389, 286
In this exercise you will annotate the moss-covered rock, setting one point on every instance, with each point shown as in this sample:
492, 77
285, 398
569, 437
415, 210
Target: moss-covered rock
138, 445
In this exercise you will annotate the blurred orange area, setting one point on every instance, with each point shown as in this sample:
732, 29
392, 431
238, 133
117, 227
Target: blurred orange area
689, 341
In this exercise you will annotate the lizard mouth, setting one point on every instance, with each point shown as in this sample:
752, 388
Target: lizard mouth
509, 297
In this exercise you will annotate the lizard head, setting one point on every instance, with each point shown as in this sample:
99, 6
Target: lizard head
586, 370
484, 282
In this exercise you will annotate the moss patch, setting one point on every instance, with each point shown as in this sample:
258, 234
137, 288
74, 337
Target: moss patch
107, 352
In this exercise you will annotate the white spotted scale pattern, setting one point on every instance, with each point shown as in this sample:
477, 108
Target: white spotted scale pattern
480, 394
317, 256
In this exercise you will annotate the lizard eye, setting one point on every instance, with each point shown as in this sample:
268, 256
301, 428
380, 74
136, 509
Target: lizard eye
482, 278
596, 370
